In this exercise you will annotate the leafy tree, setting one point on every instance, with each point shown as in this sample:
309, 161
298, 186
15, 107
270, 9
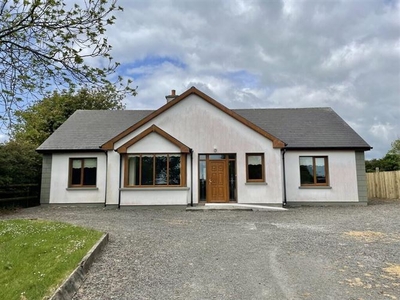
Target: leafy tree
53, 43
390, 162
36, 123
19, 163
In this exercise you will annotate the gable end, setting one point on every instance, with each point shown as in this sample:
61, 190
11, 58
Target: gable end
277, 143
155, 129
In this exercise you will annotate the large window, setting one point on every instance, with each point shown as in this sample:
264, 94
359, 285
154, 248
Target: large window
154, 170
82, 172
255, 167
314, 170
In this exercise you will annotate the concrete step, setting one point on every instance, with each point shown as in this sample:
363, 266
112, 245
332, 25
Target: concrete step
234, 206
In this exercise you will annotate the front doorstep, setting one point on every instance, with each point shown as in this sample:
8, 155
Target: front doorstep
234, 206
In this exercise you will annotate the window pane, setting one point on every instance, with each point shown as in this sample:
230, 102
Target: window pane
216, 156
254, 166
306, 170
202, 180
89, 171
147, 170
232, 156
232, 180
202, 156
320, 169
161, 169
174, 169
133, 169
76, 171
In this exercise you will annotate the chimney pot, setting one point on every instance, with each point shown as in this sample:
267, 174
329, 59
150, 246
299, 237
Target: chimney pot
172, 96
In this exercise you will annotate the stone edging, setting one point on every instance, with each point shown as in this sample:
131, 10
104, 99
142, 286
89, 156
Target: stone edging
71, 285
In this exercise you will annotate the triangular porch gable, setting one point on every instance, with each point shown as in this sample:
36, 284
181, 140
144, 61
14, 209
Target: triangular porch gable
148, 131
277, 143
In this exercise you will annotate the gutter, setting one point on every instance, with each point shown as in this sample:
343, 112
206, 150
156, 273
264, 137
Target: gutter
191, 177
284, 203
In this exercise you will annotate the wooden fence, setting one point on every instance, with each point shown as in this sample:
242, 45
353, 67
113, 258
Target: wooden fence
25, 195
384, 185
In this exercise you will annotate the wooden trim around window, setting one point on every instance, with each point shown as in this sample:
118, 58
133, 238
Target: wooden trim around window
82, 159
326, 165
262, 164
153, 128
277, 143
126, 169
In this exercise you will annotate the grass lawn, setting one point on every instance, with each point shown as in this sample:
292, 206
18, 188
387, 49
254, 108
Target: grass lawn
37, 255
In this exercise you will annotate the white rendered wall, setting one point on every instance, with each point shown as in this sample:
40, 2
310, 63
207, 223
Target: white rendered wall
154, 196
201, 126
342, 178
59, 191
113, 170
153, 143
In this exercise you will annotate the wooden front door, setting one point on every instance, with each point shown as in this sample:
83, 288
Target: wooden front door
217, 181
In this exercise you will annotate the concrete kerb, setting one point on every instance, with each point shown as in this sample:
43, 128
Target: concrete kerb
71, 285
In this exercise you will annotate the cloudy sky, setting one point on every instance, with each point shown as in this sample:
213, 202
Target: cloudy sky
287, 53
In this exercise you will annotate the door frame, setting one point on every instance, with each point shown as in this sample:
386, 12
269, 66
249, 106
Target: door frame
227, 159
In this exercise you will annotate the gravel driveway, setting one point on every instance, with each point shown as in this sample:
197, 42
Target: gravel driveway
304, 253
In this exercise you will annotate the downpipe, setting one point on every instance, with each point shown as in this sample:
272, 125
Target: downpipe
284, 203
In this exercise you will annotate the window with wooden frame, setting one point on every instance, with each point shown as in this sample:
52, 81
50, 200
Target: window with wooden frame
255, 167
82, 172
314, 170
155, 170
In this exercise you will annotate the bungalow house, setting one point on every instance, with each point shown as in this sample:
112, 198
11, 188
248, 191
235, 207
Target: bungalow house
194, 150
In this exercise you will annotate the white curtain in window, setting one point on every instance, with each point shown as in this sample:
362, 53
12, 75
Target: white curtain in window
132, 170
254, 160
76, 164
90, 163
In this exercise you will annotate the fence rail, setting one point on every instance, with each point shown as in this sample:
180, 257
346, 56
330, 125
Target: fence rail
385, 185
25, 195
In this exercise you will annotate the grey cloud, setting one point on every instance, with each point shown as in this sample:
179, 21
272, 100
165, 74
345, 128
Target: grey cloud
343, 54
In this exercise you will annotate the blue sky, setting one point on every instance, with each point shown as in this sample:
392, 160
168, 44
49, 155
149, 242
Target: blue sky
276, 53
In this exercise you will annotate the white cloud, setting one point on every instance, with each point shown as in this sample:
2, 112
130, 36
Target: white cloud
343, 54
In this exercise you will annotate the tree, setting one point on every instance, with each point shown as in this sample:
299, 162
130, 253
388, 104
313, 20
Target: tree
47, 44
19, 163
35, 124
390, 162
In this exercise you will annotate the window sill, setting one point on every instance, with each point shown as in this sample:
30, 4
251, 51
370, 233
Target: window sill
323, 187
177, 188
82, 188
256, 183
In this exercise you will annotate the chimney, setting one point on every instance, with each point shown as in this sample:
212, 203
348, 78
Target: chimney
172, 96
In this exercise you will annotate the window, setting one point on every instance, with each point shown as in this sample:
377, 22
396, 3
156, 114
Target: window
82, 172
314, 170
154, 170
255, 167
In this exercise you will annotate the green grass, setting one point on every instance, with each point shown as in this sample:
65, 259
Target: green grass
37, 255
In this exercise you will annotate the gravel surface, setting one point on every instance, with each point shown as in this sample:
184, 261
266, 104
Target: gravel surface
304, 253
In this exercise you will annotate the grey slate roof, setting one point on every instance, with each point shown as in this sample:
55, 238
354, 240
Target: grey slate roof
297, 127
318, 127
89, 129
